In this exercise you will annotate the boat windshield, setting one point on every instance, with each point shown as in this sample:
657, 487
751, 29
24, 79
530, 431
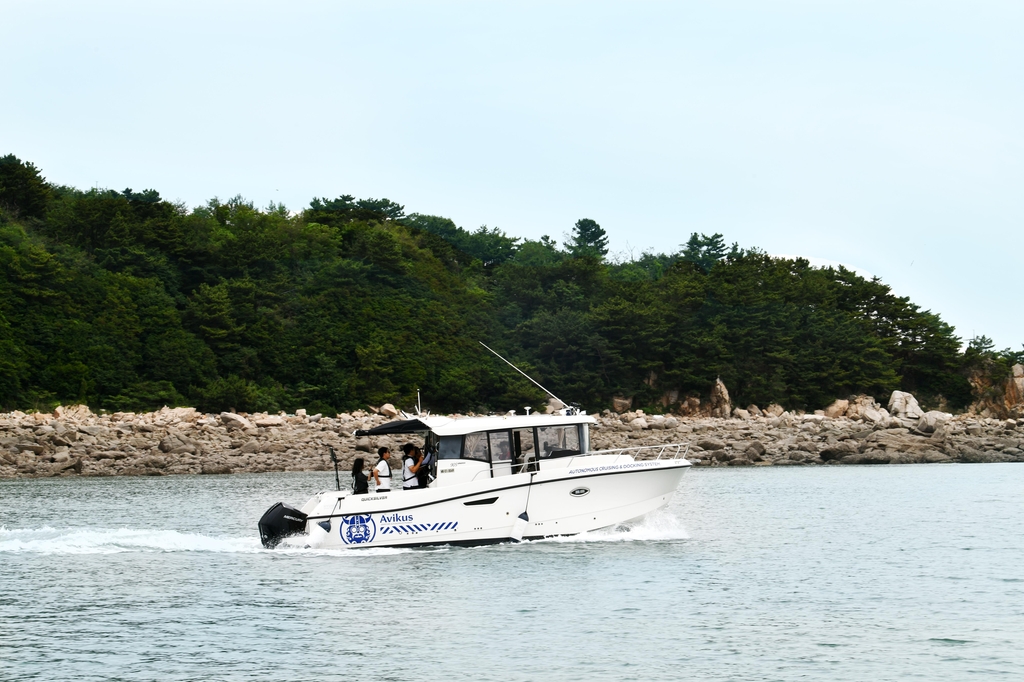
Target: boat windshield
515, 449
558, 441
449, 447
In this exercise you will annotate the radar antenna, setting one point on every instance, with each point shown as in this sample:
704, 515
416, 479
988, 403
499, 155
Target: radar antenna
564, 404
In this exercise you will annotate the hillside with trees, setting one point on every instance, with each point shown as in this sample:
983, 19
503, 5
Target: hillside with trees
125, 301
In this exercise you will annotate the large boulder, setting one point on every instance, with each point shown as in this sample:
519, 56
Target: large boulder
904, 405
388, 410
865, 408
932, 420
690, 406
774, 410
235, 421
721, 405
837, 409
554, 405
621, 404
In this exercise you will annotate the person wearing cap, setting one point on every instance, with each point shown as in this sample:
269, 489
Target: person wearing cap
382, 472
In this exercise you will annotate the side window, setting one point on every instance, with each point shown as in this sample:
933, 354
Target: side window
476, 446
501, 448
558, 441
449, 447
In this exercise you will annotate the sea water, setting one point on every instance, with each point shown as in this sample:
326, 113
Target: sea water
817, 573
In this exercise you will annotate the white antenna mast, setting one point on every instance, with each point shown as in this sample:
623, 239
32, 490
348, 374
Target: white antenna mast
564, 404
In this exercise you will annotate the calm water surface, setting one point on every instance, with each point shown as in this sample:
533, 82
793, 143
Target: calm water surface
888, 573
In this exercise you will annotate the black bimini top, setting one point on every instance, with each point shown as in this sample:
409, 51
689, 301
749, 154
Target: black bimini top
400, 426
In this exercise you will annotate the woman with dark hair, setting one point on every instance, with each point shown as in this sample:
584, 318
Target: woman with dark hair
360, 483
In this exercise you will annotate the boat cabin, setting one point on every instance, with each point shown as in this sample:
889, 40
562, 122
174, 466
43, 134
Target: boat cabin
472, 448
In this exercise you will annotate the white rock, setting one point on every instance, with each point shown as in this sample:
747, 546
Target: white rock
932, 420
234, 421
273, 420
388, 410
902, 404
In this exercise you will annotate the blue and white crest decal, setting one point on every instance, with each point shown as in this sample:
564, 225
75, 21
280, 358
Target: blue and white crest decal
357, 529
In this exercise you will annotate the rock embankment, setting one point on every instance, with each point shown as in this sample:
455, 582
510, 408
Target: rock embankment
74, 441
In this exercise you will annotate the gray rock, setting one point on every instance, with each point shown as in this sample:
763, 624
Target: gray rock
755, 451
838, 451
709, 444
364, 445
869, 457
975, 456
639, 424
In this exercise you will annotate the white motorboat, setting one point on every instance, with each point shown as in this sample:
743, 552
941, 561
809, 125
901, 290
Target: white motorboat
494, 479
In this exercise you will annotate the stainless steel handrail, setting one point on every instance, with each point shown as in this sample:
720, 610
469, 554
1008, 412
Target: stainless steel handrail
677, 450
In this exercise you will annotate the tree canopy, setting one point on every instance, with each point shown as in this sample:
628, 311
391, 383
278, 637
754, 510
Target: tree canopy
126, 301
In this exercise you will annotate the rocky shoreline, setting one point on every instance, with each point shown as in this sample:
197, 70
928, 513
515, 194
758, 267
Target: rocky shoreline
73, 441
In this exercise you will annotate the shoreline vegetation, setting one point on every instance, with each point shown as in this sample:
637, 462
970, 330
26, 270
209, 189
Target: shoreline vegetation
73, 441
126, 302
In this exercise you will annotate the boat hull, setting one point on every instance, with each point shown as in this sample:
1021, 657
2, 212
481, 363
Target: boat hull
579, 495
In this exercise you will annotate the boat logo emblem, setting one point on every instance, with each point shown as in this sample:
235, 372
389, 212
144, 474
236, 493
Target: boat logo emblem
357, 529
579, 492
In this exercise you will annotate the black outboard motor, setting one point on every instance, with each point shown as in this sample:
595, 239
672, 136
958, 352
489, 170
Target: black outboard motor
280, 522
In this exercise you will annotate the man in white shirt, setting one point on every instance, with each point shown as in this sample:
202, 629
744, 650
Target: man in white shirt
382, 472
410, 466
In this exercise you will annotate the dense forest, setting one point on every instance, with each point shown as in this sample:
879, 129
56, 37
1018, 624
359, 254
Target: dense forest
125, 301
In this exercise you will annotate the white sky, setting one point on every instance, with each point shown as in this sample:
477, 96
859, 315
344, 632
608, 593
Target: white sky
884, 135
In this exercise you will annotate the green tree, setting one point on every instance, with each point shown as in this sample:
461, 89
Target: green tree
588, 239
23, 190
704, 251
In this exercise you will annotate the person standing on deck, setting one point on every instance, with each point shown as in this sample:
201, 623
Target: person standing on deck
360, 483
411, 466
382, 472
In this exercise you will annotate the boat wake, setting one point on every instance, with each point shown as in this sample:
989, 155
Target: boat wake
657, 526
49, 540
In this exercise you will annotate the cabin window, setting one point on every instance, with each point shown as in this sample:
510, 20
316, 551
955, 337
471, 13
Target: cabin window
501, 448
558, 441
522, 447
476, 447
449, 447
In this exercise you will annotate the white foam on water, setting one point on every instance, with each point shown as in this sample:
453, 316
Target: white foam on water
48, 540
657, 526
297, 545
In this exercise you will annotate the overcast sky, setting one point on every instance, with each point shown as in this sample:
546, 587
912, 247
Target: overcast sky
885, 135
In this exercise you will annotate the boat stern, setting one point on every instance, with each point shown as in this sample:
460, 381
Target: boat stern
279, 522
